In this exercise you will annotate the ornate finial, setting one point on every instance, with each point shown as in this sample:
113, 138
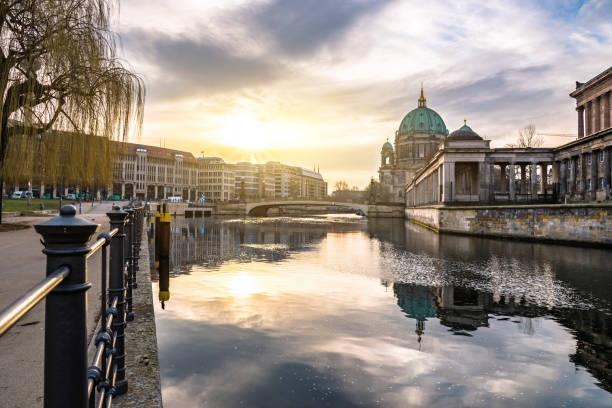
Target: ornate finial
422, 98
68, 210
464, 122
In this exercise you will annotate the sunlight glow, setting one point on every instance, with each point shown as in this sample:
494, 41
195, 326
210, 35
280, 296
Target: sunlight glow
244, 130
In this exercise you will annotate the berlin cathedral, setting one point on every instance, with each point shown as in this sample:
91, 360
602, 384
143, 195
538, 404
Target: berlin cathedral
417, 139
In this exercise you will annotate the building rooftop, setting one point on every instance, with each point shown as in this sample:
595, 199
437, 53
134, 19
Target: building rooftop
153, 151
464, 133
581, 86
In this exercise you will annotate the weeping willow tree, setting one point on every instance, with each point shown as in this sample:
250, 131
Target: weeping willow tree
65, 94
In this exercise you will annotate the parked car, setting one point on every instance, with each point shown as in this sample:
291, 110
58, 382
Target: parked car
21, 194
70, 197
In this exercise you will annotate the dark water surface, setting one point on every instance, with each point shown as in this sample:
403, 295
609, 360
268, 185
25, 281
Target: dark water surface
342, 312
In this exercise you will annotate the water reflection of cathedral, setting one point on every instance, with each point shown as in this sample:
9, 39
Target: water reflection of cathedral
465, 310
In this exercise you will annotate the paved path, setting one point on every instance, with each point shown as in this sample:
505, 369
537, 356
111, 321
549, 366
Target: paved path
22, 264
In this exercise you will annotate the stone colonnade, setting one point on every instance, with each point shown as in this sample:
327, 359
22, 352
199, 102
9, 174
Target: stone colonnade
574, 176
527, 188
595, 115
585, 175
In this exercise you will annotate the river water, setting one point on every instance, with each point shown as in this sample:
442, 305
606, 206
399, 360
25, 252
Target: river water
334, 311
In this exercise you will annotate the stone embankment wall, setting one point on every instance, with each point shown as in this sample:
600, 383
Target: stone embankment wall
176, 208
386, 211
237, 209
572, 223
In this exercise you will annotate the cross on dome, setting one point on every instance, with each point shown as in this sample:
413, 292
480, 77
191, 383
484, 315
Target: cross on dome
422, 99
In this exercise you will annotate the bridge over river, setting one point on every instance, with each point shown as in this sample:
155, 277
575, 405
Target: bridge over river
260, 208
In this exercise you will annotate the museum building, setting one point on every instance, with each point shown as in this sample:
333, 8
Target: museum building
464, 168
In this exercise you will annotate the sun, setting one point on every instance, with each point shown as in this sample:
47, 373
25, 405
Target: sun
243, 130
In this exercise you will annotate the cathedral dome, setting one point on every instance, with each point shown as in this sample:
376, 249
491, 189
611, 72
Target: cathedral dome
422, 120
464, 133
387, 145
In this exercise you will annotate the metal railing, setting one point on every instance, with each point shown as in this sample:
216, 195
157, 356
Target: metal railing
68, 380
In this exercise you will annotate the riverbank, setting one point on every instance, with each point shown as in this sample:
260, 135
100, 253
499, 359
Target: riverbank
581, 224
22, 347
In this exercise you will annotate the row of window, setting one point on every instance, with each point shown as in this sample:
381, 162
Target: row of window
602, 158
589, 185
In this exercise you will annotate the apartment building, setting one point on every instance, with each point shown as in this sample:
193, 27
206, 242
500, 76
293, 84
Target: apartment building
247, 180
311, 184
217, 179
154, 172
151, 173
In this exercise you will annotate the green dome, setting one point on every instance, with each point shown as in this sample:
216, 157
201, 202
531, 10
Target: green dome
464, 133
422, 120
387, 145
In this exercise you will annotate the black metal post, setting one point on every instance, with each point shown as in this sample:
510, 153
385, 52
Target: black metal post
129, 257
65, 374
136, 244
157, 221
116, 287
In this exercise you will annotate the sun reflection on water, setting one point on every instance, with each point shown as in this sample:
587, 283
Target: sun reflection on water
243, 285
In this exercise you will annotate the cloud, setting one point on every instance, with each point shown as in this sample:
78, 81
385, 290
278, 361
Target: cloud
344, 73
185, 67
300, 27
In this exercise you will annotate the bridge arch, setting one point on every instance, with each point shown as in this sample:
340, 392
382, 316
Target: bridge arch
251, 208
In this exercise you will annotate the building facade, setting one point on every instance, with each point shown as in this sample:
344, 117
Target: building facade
310, 184
154, 172
416, 139
217, 179
246, 180
466, 169
151, 173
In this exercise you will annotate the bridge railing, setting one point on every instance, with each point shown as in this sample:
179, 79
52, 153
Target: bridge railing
68, 380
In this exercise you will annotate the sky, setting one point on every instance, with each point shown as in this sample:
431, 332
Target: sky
325, 83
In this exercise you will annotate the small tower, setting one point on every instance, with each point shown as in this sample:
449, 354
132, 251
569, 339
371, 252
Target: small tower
387, 155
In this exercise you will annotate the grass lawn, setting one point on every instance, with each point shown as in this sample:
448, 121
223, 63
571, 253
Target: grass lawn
21, 204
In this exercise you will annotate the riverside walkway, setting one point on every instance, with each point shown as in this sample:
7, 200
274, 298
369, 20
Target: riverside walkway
22, 264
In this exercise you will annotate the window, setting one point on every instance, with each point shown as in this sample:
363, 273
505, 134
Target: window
590, 158
601, 156
569, 164
579, 186
589, 184
602, 183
